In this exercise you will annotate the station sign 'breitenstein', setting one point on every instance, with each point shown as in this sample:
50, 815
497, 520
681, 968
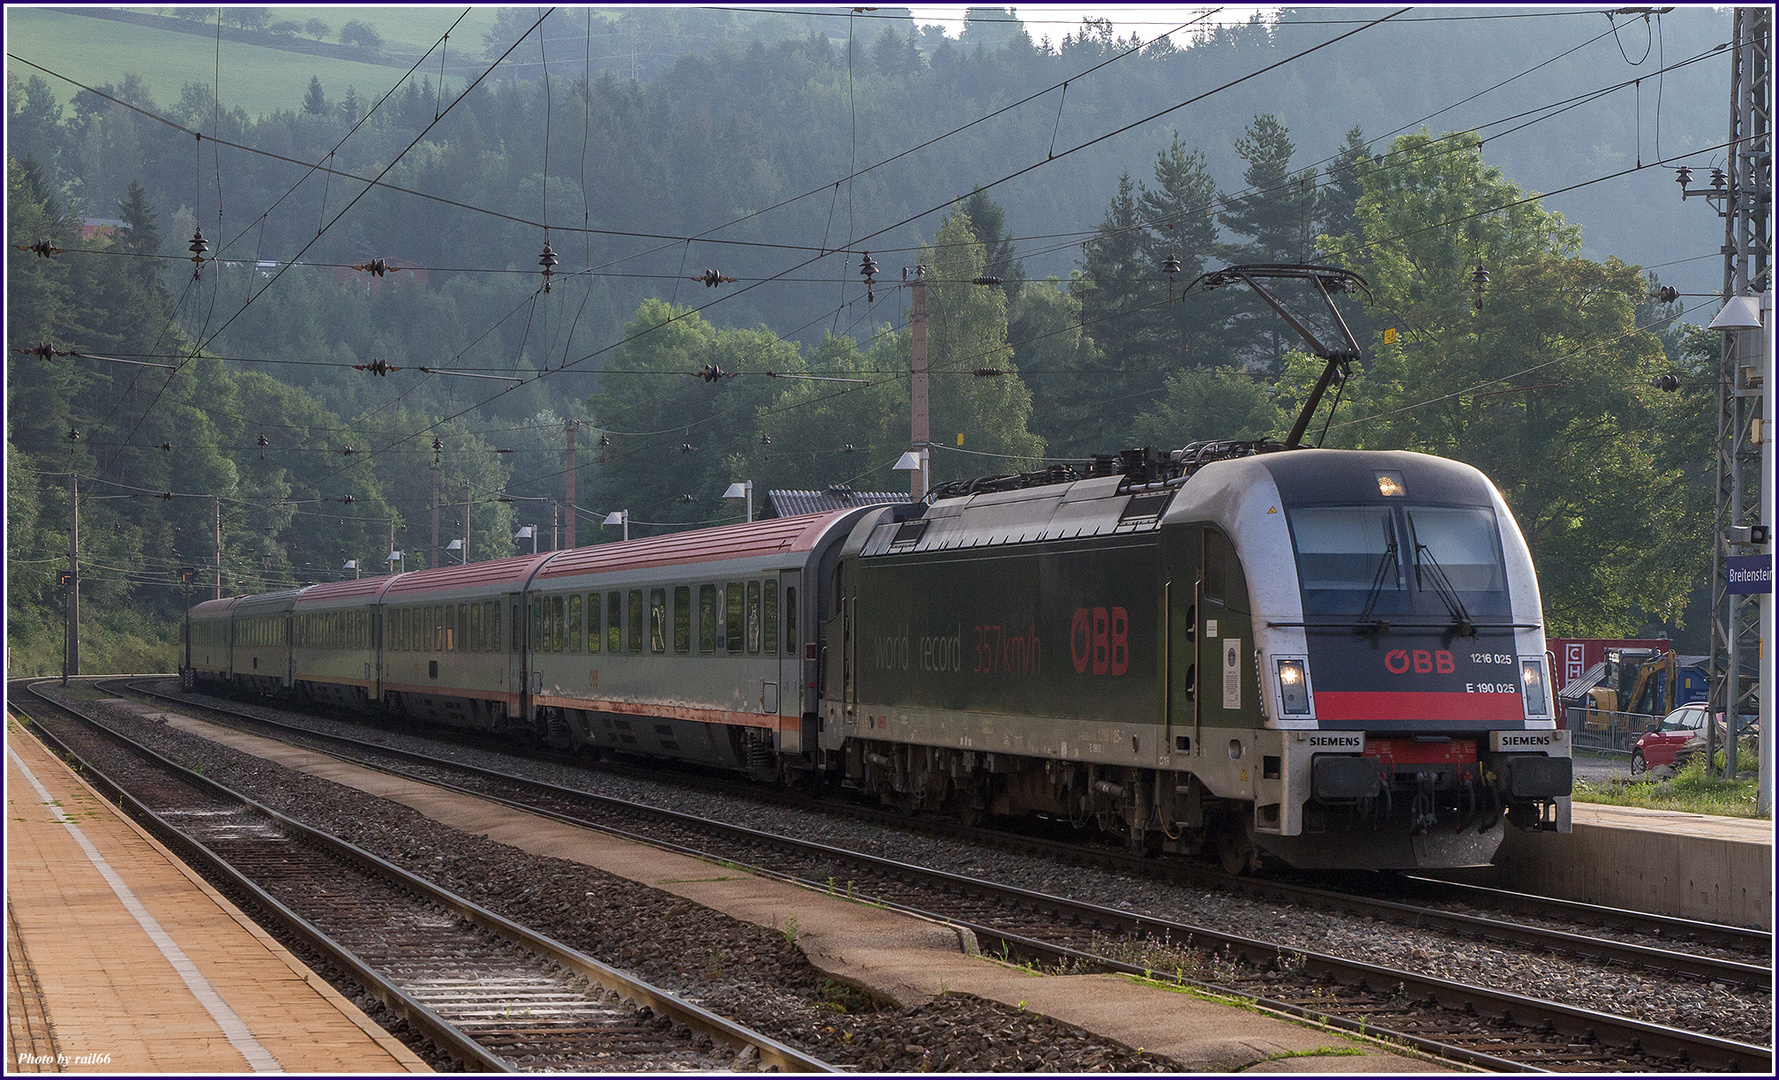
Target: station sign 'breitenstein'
1750, 575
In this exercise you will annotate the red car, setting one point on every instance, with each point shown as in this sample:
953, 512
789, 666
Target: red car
1659, 746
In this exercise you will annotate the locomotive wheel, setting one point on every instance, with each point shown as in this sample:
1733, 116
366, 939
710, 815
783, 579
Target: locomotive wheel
1234, 850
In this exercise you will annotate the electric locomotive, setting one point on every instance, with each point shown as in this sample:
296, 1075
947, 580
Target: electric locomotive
1335, 658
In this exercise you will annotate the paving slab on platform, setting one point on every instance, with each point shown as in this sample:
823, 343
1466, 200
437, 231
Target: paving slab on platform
122, 959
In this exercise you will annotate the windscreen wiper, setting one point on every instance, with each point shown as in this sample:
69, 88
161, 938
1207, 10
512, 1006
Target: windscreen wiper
1442, 585
1378, 627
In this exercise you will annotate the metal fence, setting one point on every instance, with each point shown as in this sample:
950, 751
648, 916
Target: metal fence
1607, 730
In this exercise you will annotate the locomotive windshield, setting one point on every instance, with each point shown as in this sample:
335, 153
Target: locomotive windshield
1390, 561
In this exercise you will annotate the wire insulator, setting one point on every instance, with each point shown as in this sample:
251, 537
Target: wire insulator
378, 267
197, 247
43, 248
548, 261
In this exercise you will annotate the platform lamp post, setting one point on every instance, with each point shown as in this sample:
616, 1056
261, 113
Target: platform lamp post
528, 532
352, 565
397, 558
456, 547
743, 490
619, 517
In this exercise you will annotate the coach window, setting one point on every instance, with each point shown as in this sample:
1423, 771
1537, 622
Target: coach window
475, 628
574, 623
790, 622
657, 621
559, 625
593, 634
537, 624
769, 616
491, 620
614, 622
707, 619
753, 618
682, 619
733, 595
635, 626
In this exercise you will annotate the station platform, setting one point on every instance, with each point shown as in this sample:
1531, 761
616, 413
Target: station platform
121, 959
1691, 866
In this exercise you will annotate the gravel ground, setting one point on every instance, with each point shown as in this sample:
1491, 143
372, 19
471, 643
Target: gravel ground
1730, 1012
751, 974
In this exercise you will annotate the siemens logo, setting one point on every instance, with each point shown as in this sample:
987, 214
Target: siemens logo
1339, 742
1540, 741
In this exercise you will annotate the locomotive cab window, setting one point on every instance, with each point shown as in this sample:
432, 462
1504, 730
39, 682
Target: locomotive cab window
1398, 560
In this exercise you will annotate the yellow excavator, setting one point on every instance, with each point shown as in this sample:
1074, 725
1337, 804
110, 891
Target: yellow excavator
1634, 688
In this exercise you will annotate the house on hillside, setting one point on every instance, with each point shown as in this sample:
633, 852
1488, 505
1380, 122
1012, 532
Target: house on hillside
102, 227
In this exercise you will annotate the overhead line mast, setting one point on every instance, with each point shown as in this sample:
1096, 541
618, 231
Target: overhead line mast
1746, 207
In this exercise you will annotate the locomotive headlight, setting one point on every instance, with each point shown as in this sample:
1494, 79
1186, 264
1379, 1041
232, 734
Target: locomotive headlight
1534, 688
1294, 689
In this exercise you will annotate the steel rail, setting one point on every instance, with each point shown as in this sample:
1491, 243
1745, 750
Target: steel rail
1491, 929
1621, 1032
772, 1053
1668, 926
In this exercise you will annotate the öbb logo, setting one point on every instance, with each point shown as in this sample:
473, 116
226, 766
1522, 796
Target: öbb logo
1399, 661
1100, 639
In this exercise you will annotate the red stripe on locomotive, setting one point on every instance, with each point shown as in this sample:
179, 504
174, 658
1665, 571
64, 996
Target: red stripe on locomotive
1362, 705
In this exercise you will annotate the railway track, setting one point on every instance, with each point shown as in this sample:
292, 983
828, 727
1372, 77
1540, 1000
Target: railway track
1476, 1025
1660, 943
489, 992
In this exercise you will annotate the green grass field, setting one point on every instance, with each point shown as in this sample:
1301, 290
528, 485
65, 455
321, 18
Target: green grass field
258, 79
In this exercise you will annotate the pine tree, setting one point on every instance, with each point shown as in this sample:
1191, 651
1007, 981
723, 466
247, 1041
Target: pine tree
140, 235
315, 102
1179, 217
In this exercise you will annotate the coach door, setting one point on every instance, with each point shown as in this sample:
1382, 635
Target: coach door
1182, 599
518, 695
789, 706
